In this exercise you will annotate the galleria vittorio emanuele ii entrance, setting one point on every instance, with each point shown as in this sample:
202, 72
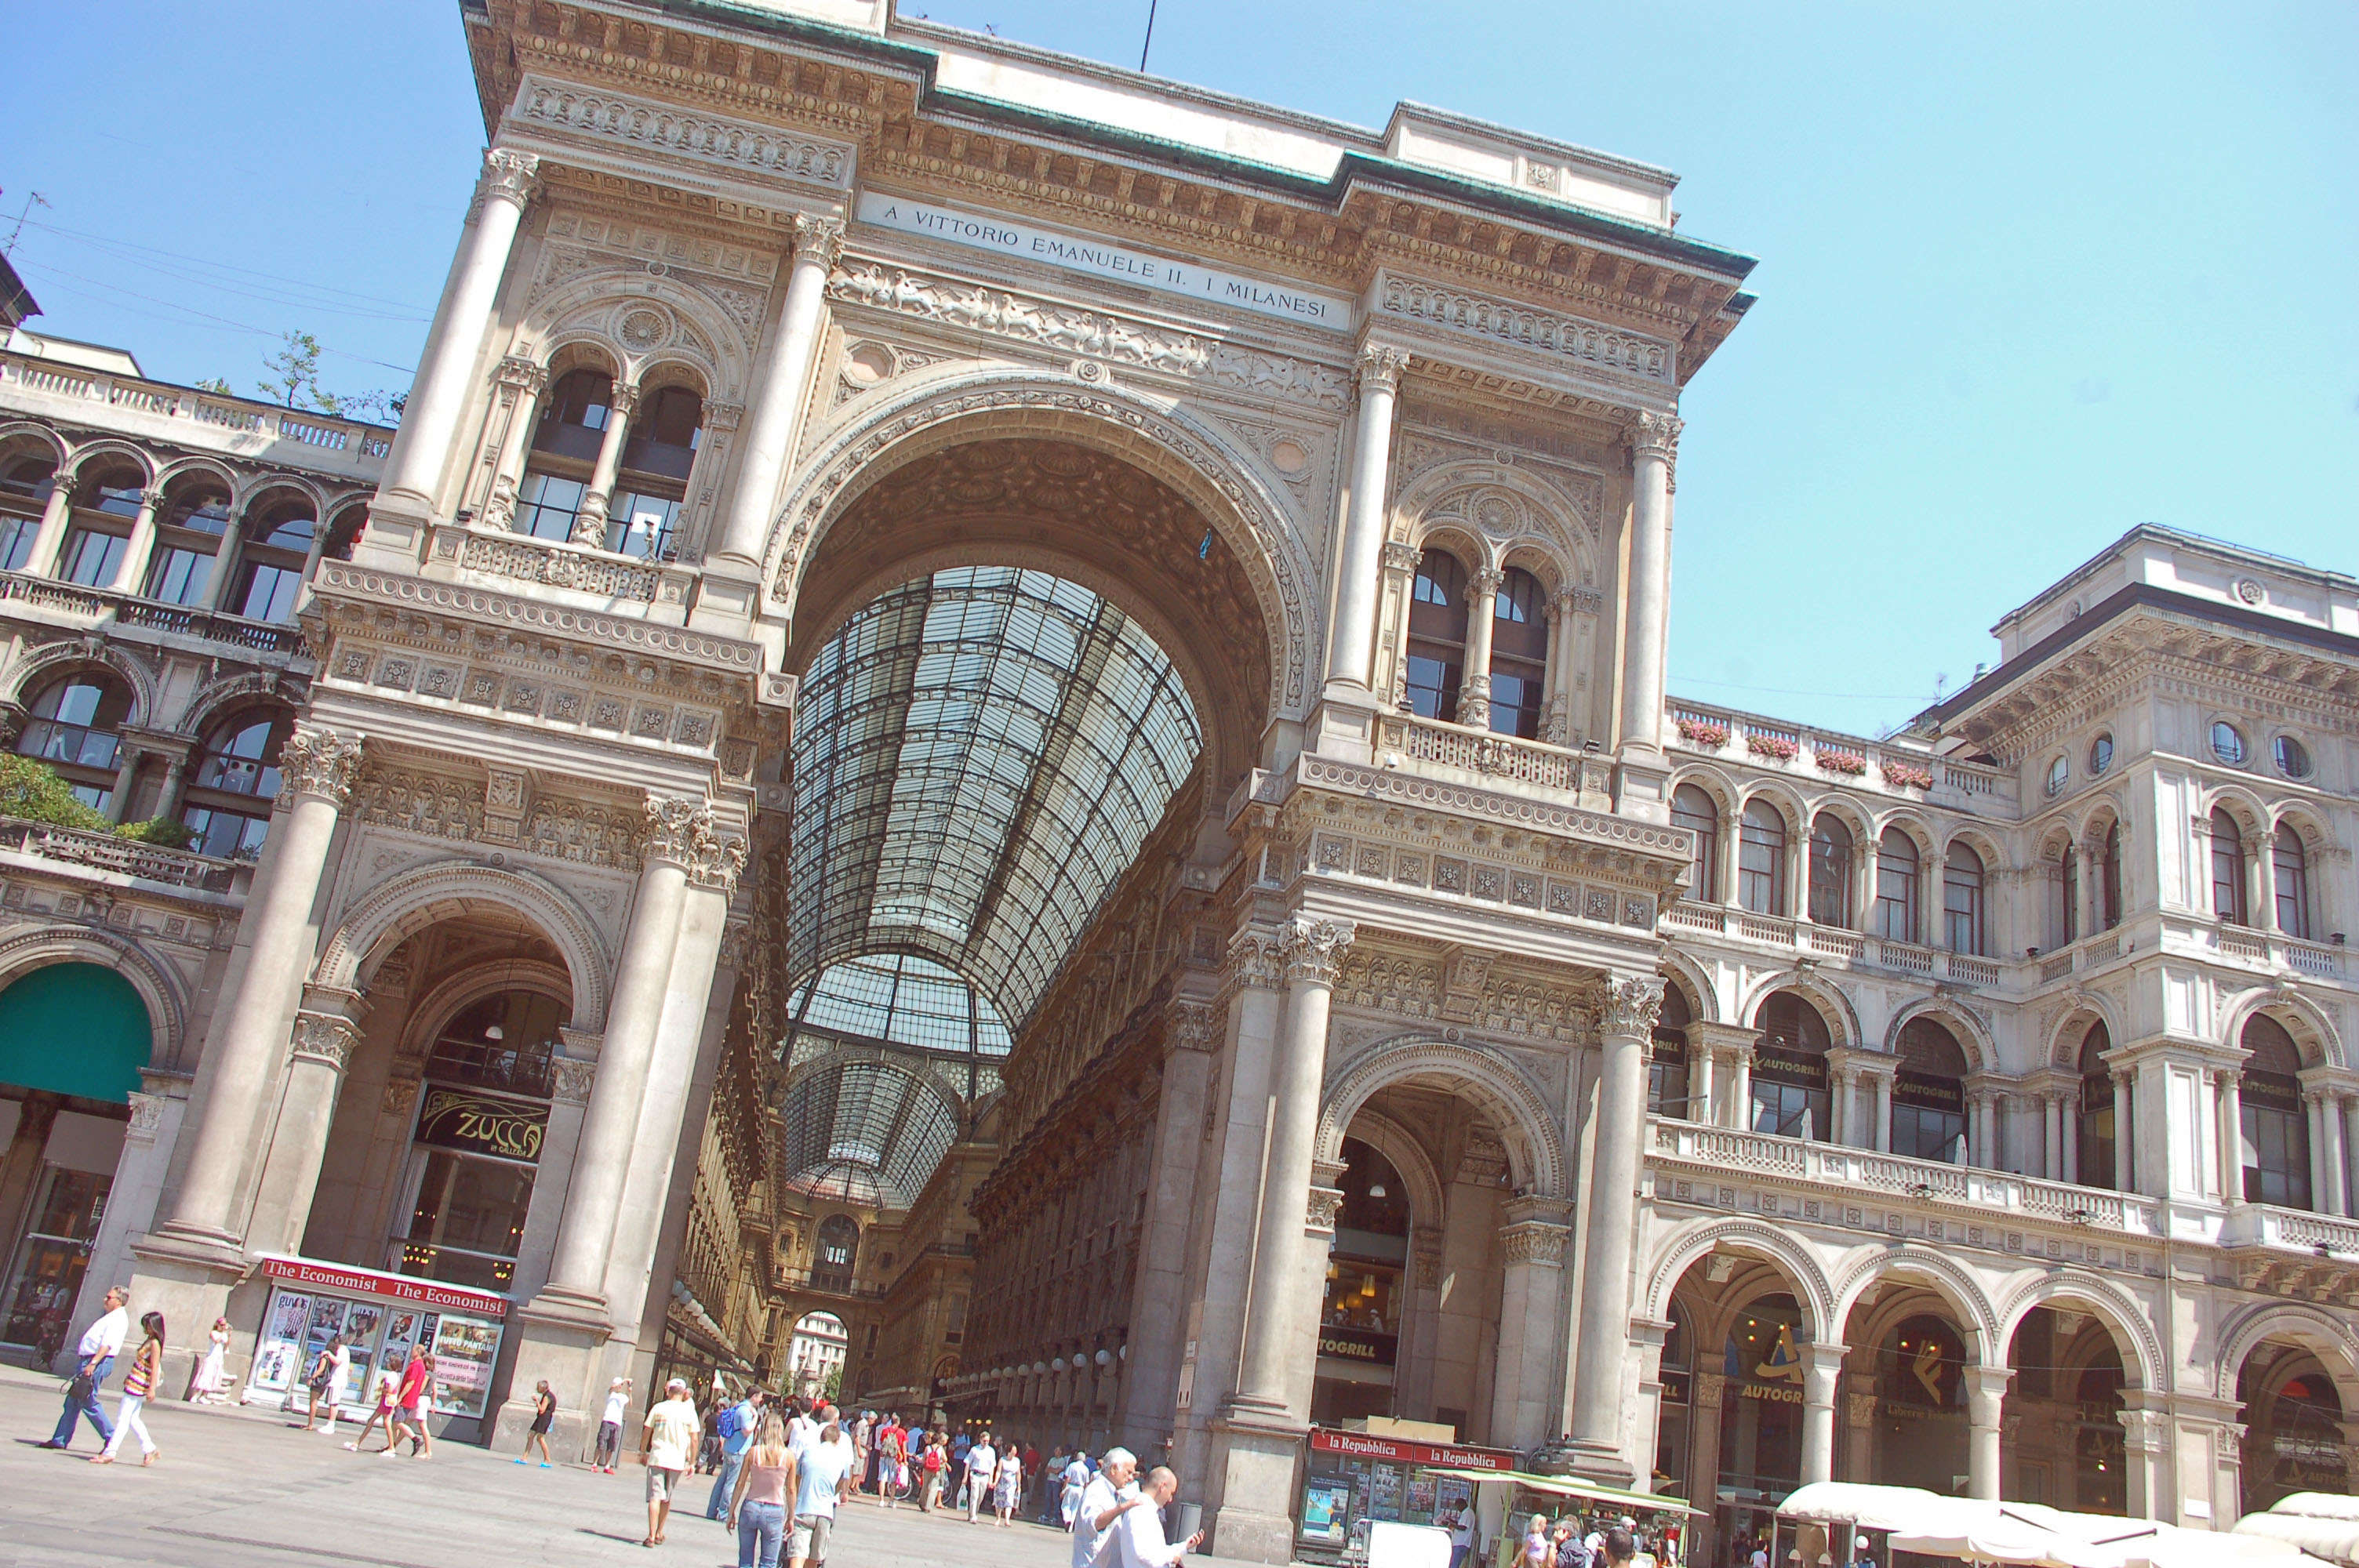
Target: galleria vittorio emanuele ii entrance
993, 742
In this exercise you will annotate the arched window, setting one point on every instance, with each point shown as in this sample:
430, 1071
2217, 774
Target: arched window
1674, 1444
2290, 863
1761, 1418
1437, 636
2094, 1156
228, 805
2228, 869
1518, 654
26, 481
1695, 810
1790, 1068
2068, 882
1963, 927
1761, 859
2275, 1135
1830, 871
1928, 1094
1666, 1067
107, 500
482, 1114
72, 727
1896, 886
2109, 870
644, 510
836, 1254
564, 452
189, 529
270, 569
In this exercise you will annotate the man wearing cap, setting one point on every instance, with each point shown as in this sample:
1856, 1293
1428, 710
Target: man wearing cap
1110, 1493
668, 1446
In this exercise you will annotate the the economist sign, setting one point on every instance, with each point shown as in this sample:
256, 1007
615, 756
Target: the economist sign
391, 1287
1402, 1451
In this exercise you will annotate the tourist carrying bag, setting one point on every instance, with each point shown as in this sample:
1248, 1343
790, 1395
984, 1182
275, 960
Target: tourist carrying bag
78, 1390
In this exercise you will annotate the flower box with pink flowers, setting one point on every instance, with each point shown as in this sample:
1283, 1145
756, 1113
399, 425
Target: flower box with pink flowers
1909, 775
1776, 746
1835, 761
1703, 732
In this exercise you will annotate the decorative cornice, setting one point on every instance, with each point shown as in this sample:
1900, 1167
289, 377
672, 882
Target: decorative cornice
1314, 949
320, 761
1632, 1008
1566, 338
1570, 822
634, 127
588, 625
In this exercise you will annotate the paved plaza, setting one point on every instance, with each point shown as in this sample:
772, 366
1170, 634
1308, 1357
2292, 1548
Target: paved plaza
238, 1487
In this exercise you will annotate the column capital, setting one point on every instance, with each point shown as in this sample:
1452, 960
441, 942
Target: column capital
1655, 435
1379, 367
324, 1038
817, 237
1193, 1026
1481, 583
521, 373
508, 175
1256, 960
321, 762
673, 826
1400, 555
1533, 1241
715, 859
1314, 949
1633, 1005
570, 1079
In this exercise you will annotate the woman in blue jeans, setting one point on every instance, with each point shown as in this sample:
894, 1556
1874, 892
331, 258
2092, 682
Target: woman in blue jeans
758, 1509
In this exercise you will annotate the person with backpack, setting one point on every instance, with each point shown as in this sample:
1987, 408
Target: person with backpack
736, 1425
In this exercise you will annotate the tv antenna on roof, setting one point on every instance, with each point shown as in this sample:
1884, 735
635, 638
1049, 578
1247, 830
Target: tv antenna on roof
1151, 35
32, 198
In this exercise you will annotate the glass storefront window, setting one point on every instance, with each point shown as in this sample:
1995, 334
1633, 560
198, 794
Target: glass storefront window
46, 1273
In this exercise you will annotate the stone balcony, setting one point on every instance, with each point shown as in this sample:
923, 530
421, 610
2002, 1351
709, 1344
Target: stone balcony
110, 613
1852, 947
1892, 769
186, 418
1456, 753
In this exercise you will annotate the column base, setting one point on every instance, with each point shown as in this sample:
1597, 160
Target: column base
1603, 1463
728, 595
1257, 1451
560, 1338
1343, 725
192, 1277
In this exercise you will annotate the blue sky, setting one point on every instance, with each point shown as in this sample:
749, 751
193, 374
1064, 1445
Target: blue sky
2029, 275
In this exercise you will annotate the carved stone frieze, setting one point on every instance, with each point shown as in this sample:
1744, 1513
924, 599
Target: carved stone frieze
583, 832
1116, 340
1563, 338
638, 127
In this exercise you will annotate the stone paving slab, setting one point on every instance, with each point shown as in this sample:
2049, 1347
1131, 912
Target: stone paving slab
241, 1487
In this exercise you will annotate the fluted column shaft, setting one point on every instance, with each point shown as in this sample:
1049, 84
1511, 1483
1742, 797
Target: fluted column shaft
1313, 950
1626, 1031
1653, 442
317, 768
1350, 647
635, 1010
769, 435
429, 422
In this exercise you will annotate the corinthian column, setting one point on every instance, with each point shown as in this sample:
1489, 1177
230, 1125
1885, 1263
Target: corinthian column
1481, 610
421, 448
1275, 1330
317, 770
642, 976
778, 391
1654, 443
1350, 645
1626, 1031
590, 523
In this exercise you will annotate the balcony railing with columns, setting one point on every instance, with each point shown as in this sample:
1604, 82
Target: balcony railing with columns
39, 381
1834, 942
1717, 1153
74, 605
105, 852
1490, 758
1888, 768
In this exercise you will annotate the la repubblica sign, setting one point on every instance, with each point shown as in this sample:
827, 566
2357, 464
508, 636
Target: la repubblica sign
1100, 258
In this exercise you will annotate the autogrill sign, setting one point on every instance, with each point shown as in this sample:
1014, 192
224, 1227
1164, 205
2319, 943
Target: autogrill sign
1101, 258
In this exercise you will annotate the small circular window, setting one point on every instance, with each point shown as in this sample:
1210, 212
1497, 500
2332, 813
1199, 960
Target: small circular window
2228, 743
2292, 757
2100, 754
2058, 771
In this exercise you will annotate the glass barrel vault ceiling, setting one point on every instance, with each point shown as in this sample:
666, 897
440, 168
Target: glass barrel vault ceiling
978, 755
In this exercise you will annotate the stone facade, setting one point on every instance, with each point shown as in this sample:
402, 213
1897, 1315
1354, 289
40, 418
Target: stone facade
1477, 1035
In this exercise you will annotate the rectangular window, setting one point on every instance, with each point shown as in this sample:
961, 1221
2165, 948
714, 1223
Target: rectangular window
1961, 909
270, 593
180, 576
1515, 704
93, 556
472, 1204
225, 834
1895, 900
1760, 874
16, 536
1433, 687
641, 526
548, 505
1921, 1133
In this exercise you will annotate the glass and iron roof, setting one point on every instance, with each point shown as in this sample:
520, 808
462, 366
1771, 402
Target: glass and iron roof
979, 755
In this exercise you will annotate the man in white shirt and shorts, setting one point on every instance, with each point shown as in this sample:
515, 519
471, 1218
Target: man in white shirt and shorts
824, 1473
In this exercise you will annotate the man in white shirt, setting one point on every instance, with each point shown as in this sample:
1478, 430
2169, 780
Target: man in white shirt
981, 1465
1462, 1536
94, 1358
1110, 1494
668, 1446
824, 1470
610, 1425
1136, 1540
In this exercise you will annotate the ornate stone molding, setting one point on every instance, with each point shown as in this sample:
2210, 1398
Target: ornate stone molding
324, 1038
1314, 949
636, 127
321, 762
1257, 959
570, 1079
1535, 1242
1194, 1026
821, 239
1632, 1008
674, 826
1464, 314
1379, 367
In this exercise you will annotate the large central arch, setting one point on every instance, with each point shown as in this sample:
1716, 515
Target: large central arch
872, 439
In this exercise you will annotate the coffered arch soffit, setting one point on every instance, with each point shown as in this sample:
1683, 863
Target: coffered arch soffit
1162, 442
